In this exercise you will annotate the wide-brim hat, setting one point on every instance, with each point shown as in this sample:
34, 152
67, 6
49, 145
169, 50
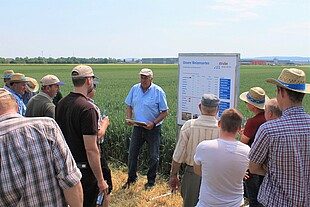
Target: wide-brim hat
8, 74
32, 84
17, 78
292, 79
256, 96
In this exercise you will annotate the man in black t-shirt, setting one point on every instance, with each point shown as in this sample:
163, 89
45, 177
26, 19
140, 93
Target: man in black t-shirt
78, 121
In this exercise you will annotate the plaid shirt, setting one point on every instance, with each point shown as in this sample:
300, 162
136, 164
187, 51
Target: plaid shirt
35, 162
284, 144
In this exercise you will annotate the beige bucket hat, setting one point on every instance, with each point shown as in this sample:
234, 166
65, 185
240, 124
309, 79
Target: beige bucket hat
292, 79
255, 96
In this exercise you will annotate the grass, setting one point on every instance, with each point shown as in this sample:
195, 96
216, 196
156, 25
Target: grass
115, 83
136, 196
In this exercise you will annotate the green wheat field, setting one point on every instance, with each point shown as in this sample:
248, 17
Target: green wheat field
116, 81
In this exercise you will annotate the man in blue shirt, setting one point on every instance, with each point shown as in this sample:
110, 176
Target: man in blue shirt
17, 88
146, 102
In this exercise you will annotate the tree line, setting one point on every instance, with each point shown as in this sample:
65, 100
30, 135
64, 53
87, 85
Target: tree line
61, 60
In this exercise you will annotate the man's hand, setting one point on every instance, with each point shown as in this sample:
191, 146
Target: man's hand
149, 125
103, 187
129, 123
246, 175
105, 122
174, 182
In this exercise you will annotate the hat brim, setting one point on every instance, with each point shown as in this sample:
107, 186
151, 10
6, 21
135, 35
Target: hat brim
276, 82
17, 81
260, 106
7, 76
33, 82
60, 83
146, 74
35, 89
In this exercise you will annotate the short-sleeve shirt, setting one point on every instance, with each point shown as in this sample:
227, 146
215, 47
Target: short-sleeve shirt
223, 164
147, 106
284, 145
252, 126
76, 117
192, 133
36, 163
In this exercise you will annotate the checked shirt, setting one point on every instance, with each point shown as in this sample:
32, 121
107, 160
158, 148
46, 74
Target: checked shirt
35, 162
284, 145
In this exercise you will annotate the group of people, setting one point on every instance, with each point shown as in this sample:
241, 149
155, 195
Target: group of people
56, 160
51, 154
30, 102
269, 165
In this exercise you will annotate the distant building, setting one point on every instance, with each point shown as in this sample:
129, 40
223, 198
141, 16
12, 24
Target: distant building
259, 62
159, 60
245, 61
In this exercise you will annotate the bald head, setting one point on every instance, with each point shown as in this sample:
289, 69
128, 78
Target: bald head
7, 102
272, 110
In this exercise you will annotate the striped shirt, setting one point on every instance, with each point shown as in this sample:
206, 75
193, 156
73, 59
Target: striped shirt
284, 144
192, 133
36, 163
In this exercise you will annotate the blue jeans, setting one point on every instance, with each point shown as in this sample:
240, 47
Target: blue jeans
139, 137
252, 185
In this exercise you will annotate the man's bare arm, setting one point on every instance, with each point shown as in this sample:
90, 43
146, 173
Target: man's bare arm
93, 157
256, 169
197, 169
74, 195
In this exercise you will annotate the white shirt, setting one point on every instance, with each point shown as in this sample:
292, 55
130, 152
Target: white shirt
223, 164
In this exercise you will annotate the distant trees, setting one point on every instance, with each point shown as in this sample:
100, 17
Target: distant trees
61, 60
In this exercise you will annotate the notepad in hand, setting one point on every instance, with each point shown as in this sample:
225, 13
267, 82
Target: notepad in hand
138, 123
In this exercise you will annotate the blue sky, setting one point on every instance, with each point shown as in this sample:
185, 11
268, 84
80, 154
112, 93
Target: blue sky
154, 28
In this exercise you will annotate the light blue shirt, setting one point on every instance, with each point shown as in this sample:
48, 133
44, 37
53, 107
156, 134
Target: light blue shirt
21, 106
147, 106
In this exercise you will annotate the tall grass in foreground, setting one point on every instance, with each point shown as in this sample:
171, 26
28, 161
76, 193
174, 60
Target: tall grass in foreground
115, 83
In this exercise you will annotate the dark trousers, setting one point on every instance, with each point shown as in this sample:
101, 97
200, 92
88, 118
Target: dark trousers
106, 172
139, 137
252, 186
190, 187
90, 188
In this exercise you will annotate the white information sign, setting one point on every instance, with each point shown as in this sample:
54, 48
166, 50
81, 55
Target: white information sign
207, 73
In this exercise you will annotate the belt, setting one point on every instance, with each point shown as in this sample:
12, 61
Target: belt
82, 165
